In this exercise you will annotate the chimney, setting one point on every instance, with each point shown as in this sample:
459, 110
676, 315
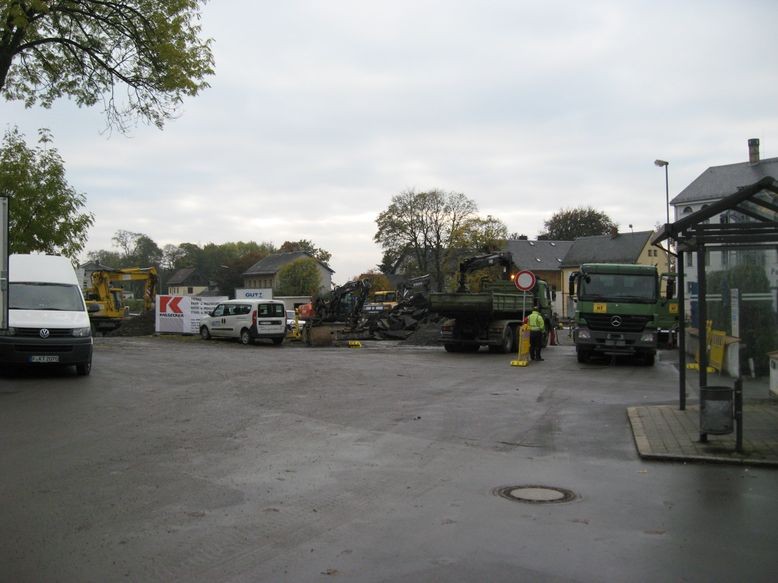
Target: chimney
614, 232
753, 151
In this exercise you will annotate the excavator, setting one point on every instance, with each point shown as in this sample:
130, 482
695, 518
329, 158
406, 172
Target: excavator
335, 312
108, 296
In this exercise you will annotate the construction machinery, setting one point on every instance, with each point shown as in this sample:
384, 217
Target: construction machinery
333, 314
492, 316
414, 290
383, 301
106, 292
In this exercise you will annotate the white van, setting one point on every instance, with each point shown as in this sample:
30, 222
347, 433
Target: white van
48, 321
246, 320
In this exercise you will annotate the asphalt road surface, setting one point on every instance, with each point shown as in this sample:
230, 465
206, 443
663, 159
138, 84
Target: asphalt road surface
184, 460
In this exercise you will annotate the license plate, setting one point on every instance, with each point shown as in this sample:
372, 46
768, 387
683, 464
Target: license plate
615, 343
44, 358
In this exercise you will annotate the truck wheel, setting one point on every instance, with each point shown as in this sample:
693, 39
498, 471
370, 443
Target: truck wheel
649, 359
245, 337
583, 355
204, 334
451, 347
508, 340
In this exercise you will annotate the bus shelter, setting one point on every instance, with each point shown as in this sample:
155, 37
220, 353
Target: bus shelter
754, 209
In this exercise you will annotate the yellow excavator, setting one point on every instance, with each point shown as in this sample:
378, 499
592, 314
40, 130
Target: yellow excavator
107, 295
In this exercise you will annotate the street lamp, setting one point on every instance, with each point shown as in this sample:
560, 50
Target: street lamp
665, 163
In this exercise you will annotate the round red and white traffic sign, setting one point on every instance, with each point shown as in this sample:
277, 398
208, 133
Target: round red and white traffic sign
525, 280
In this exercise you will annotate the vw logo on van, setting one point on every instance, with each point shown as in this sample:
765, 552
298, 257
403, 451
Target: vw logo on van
616, 321
44, 333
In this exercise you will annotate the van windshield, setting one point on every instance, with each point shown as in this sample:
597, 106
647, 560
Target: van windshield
44, 296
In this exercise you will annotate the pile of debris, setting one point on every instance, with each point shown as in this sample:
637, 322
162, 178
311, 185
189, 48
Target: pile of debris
141, 325
402, 322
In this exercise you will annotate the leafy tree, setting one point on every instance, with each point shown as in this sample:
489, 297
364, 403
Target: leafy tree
171, 254
430, 229
307, 246
568, 224
137, 249
483, 235
378, 282
45, 211
223, 264
299, 278
107, 258
88, 50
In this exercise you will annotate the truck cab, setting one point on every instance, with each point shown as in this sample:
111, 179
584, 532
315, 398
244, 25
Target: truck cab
616, 310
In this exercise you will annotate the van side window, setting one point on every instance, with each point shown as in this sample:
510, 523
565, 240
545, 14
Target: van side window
219, 310
244, 309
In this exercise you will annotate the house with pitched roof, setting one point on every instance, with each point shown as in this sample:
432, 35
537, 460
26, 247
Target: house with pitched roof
714, 184
187, 281
633, 248
544, 259
264, 273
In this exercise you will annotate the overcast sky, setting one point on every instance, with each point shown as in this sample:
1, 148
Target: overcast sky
319, 112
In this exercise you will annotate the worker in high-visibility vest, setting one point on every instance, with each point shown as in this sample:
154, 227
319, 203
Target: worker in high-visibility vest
536, 327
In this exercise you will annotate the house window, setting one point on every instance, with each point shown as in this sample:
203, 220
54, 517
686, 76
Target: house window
190, 290
687, 210
750, 257
689, 259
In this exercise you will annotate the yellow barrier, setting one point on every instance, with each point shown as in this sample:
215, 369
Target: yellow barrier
717, 345
709, 332
522, 358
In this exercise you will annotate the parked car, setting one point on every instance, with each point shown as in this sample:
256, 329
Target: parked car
290, 318
247, 320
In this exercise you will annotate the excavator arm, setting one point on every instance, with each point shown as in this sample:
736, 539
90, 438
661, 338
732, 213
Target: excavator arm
480, 261
107, 296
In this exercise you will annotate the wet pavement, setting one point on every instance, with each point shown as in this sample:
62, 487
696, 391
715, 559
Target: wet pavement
185, 460
667, 433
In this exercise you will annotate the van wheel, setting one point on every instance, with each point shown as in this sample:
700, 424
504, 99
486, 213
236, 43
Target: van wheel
245, 337
84, 368
204, 334
277, 341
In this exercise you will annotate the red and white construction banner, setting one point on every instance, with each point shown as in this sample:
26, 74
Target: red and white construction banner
182, 314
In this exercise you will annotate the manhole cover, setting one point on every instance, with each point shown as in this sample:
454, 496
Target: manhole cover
535, 494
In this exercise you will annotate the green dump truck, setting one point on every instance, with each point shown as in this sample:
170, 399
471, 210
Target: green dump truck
492, 316
616, 310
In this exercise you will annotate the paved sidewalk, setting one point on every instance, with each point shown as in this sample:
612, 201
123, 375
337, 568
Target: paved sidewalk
663, 432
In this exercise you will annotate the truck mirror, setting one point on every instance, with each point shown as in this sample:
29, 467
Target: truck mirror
553, 293
670, 288
571, 284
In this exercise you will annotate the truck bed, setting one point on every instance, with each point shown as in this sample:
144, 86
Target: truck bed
494, 304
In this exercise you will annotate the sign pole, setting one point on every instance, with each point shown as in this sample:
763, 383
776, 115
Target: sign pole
525, 280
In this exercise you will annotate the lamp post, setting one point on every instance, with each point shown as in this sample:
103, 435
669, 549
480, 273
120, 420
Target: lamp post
665, 163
